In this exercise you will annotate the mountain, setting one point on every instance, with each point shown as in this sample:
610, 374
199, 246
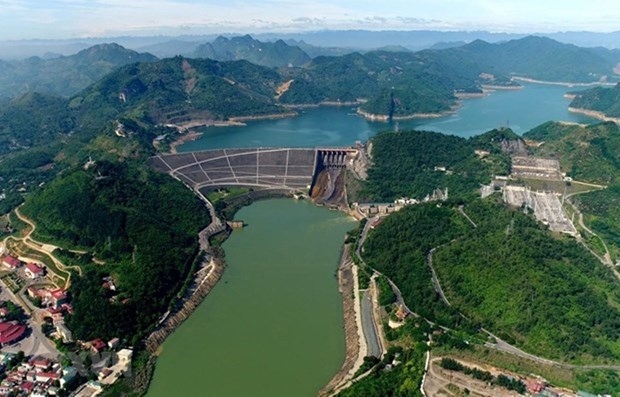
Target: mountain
172, 48
391, 83
599, 99
178, 89
65, 75
540, 58
274, 54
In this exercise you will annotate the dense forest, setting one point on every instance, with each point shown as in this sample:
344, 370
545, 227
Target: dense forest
141, 224
600, 99
414, 163
65, 75
558, 300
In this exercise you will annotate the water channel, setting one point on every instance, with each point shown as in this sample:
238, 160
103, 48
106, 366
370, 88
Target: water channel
273, 324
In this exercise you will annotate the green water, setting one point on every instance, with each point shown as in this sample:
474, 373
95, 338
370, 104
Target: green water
521, 110
273, 325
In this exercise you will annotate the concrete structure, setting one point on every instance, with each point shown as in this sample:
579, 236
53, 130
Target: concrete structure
536, 168
289, 168
547, 207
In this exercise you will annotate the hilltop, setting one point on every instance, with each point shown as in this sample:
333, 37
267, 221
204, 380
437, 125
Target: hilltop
604, 101
245, 47
65, 75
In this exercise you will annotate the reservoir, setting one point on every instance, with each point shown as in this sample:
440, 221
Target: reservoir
273, 325
520, 110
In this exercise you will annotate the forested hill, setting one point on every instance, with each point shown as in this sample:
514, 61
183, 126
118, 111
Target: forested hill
414, 163
65, 76
586, 153
178, 89
143, 225
559, 301
599, 99
539, 58
245, 47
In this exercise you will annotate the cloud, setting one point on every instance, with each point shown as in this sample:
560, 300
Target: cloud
75, 18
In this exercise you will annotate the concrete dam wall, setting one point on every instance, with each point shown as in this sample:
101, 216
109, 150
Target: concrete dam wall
289, 168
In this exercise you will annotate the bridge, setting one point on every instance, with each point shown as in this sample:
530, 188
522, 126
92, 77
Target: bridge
288, 168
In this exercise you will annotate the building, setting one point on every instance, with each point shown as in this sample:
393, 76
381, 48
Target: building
98, 345
11, 262
11, 332
33, 270
64, 332
58, 297
113, 344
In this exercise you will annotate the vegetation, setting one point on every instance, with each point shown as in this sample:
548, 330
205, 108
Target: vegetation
415, 163
539, 58
600, 99
143, 225
587, 153
245, 47
485, 376
65, 76
402, 379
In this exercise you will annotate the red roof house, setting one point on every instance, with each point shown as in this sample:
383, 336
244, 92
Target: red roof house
11, 332
11, 261
98, 345
33, 270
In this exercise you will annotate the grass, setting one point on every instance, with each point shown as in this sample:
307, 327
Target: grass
53, 271
226, 193
574, 379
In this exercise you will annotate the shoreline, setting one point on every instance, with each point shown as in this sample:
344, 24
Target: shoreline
385, 118
355, 343
595, 114
562, 83
491, 87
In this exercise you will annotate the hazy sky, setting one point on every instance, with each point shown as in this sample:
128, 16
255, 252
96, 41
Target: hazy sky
86, 18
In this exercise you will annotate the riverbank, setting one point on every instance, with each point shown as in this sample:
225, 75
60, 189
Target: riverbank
562, 83
491, 87
593, 113
187, 133
355, 343
325, 103
385, 118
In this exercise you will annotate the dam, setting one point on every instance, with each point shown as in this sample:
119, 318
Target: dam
268, 168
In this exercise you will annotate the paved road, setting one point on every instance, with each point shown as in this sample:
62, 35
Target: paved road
368, 326
429, 260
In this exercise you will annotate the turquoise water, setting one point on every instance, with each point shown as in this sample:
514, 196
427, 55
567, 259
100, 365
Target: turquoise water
521, 110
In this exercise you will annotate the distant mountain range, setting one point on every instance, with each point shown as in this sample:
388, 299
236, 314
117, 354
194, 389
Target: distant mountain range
269, 54
386, 83
334, 40
65, 75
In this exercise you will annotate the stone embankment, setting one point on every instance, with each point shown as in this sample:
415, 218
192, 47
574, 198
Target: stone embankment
202, 288
209, 273
352, 361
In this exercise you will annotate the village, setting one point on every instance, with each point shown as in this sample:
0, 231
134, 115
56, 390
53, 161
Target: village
39, 356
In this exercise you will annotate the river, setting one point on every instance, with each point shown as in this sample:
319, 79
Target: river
521, 110
273, 324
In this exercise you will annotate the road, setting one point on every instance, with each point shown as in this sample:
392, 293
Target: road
369, 327
35, 343
438, 289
